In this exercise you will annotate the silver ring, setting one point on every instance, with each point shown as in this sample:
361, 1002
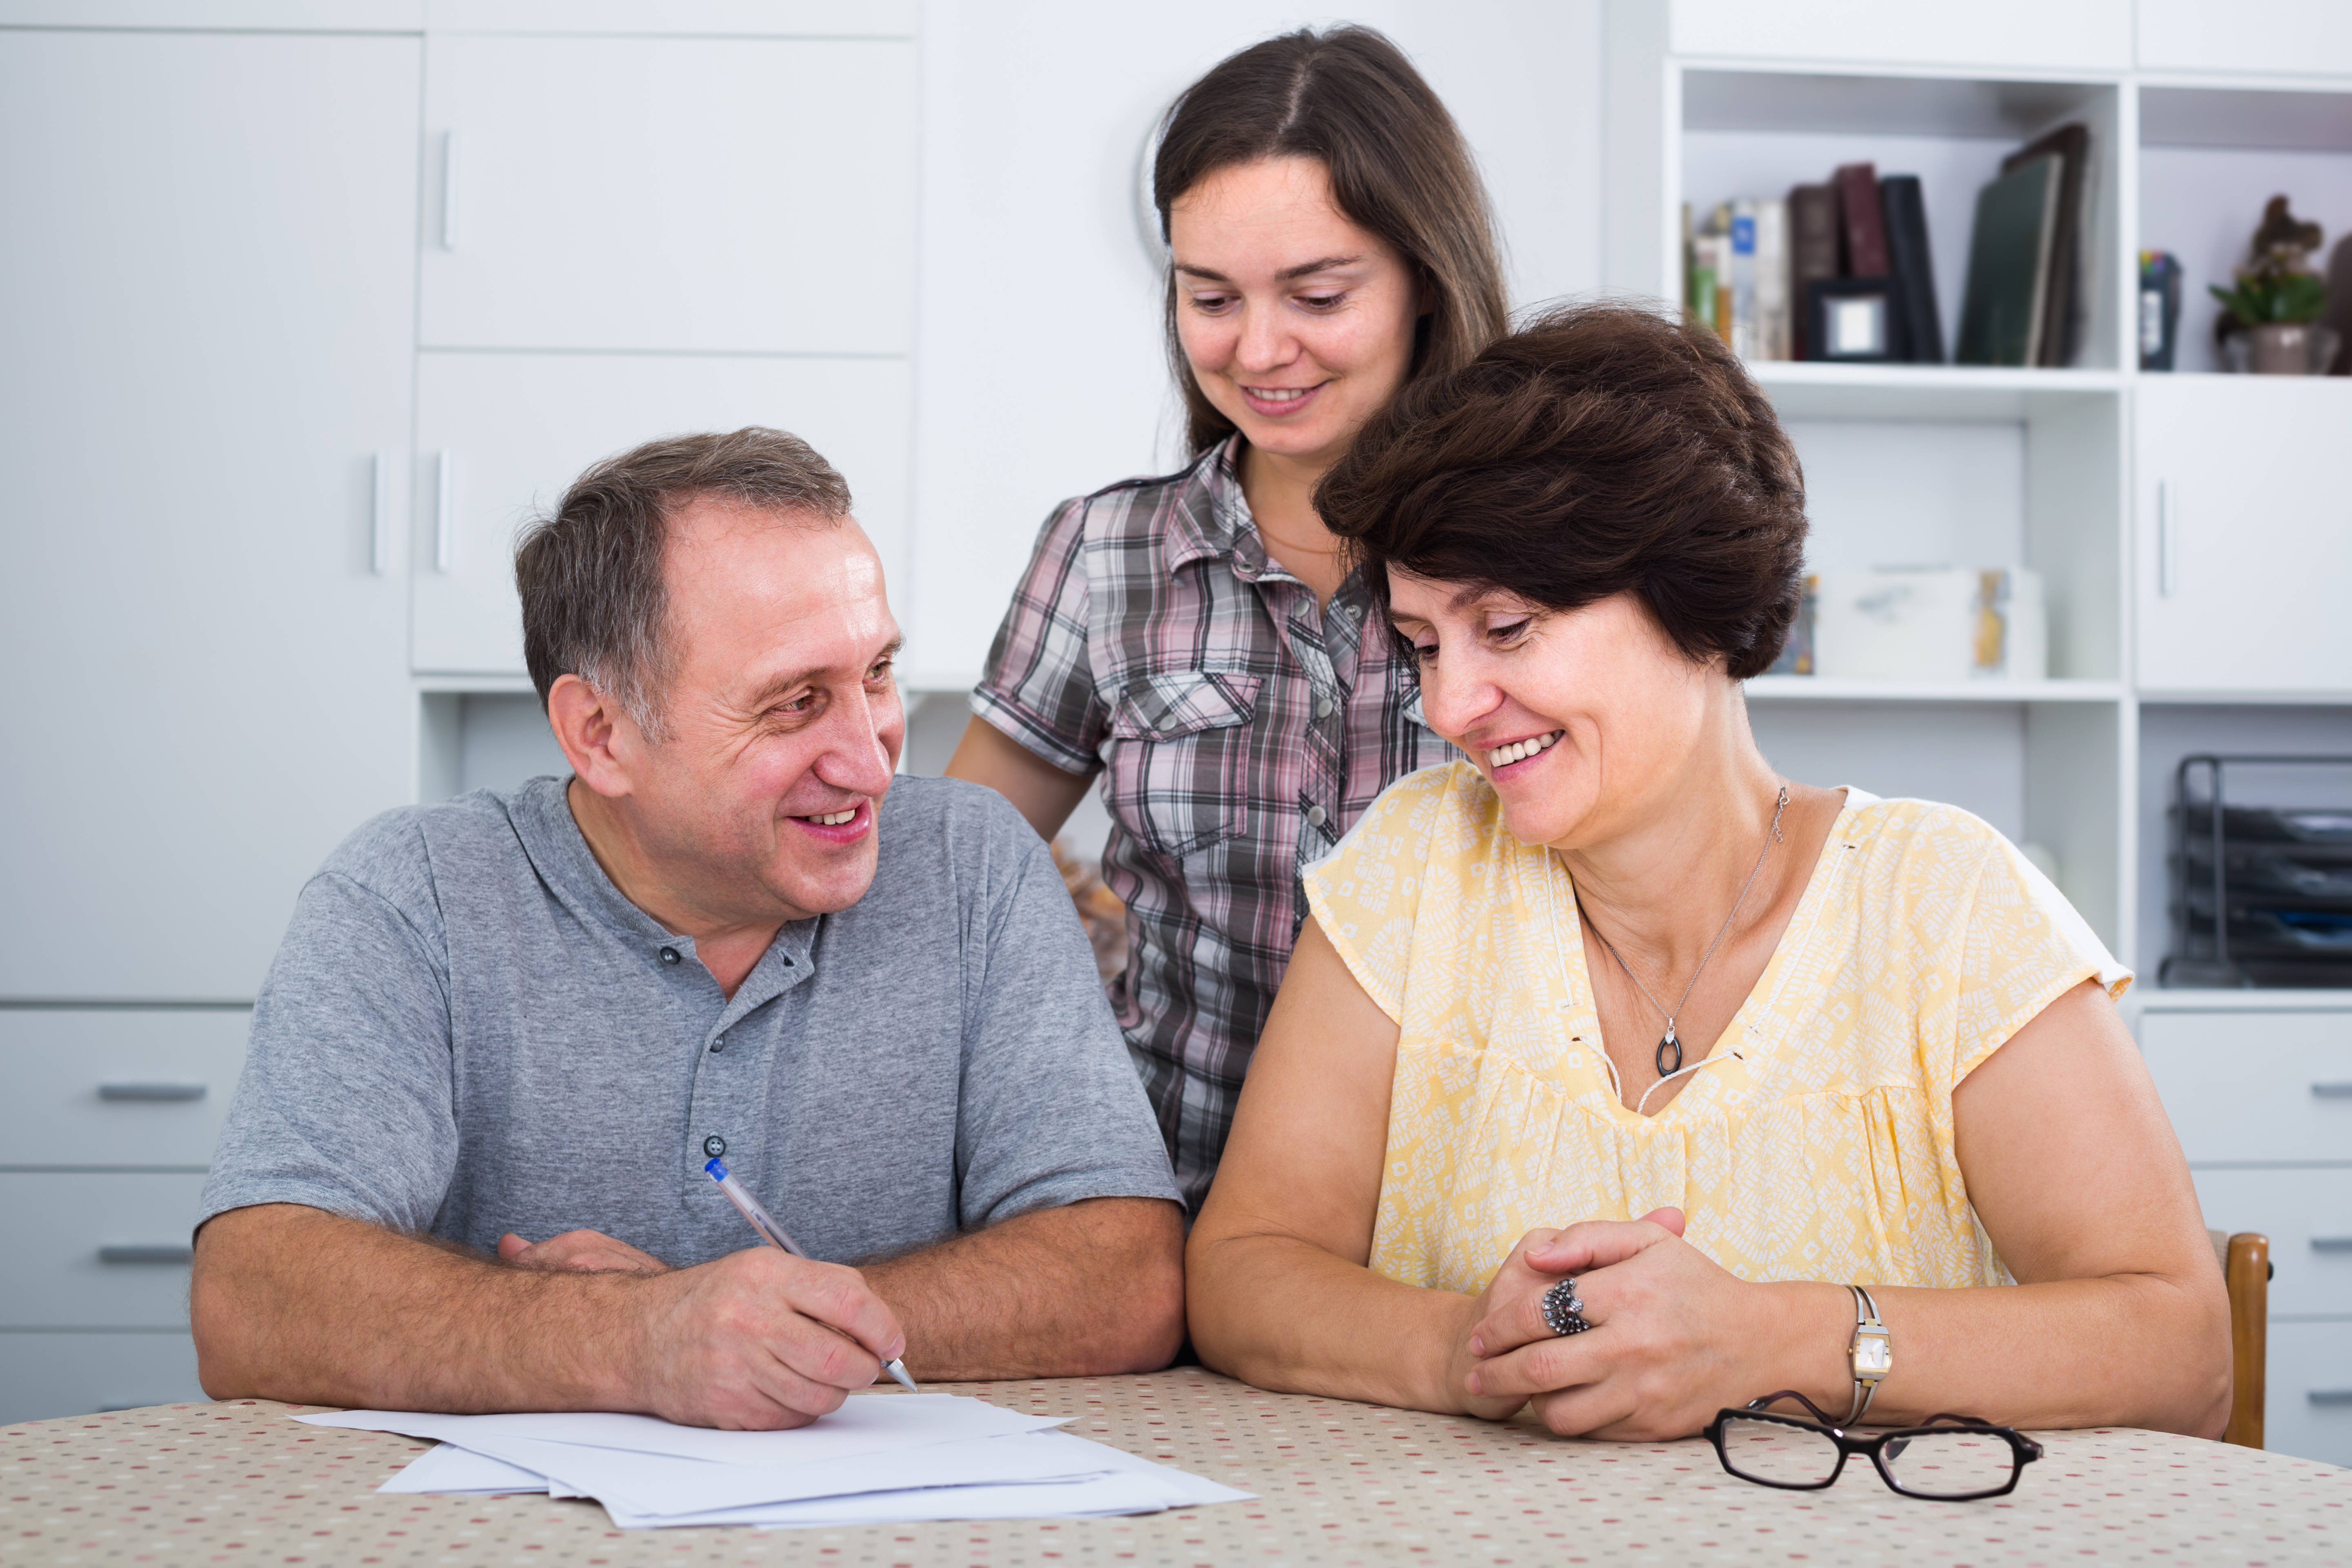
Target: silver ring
1562, 1312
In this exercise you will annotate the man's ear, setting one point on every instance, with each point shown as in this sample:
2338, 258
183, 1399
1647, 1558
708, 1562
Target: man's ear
599, 739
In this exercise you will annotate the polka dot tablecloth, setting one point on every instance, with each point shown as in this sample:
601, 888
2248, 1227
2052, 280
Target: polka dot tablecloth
238, 1483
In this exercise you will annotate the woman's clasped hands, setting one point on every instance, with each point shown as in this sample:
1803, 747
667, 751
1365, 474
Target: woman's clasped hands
1675, 1336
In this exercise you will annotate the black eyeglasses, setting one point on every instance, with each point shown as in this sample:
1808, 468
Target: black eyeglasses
1950, 1458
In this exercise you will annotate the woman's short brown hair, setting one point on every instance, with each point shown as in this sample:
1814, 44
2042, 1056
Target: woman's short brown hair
1599, 449
1399, 169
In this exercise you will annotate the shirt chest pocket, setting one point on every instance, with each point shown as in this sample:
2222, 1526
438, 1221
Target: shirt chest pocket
1180, 758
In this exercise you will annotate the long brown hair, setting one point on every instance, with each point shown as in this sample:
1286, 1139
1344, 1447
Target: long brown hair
1398, 166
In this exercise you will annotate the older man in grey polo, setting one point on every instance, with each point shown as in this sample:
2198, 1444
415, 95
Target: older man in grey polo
464, 1168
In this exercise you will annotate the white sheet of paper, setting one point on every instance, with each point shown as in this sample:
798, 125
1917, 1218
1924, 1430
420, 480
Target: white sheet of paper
1036, 1473
449, 1469
652, 1485
866, 1423
1132, 1485
1037, 1499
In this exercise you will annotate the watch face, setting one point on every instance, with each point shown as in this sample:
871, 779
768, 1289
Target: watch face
1873, 1358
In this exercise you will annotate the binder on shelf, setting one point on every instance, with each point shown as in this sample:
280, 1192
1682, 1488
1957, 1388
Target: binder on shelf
2007, 295
1914, 269
2067, 300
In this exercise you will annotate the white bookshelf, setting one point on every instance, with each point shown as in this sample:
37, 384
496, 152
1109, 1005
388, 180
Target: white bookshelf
2195, 543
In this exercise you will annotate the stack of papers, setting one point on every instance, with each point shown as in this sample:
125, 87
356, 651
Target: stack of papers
879, 1459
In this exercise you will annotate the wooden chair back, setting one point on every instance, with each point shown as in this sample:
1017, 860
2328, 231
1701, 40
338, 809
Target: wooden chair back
2245, 1260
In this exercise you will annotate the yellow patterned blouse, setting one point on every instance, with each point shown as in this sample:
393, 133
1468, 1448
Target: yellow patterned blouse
1818, 1143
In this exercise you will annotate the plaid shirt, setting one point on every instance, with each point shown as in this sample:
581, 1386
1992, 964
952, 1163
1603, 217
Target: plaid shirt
1243, 731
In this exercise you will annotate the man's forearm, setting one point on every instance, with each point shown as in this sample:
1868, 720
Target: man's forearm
293, 1303
1091, 1288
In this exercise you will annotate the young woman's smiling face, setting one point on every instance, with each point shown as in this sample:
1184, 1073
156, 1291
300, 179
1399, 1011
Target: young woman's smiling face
1299, 324
1580, 718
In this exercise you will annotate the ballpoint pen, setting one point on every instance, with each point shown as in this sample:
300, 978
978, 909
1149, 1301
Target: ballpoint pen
749, 1208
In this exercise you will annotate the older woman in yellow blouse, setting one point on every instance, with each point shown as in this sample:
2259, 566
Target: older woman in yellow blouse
1613, 1002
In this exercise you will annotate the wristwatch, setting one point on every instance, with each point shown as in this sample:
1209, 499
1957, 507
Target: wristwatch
1871, 1353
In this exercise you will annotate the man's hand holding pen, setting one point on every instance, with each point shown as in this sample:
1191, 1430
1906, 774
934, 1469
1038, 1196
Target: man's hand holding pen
756, 1341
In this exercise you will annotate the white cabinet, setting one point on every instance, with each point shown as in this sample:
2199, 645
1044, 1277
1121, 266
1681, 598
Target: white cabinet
2244, 533
97, 1249
719, 194
513, 430
2307, 1403
2255, 1088
2072, 35
2262, 1101
106, 1086
47, 1375
207, 299
2291, 38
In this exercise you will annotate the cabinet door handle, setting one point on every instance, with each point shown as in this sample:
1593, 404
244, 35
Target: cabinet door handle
380, 515
2330, 1396
151, 1252
2331, 1091
151, 1091
2167, 538
2331, 1243
449, 169
443, 525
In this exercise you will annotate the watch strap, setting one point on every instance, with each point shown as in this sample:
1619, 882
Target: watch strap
1871, 1355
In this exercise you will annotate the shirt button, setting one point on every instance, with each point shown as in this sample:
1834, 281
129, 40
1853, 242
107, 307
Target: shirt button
670, 955
1323, 707
714, 1145
1314, 816
719, 1043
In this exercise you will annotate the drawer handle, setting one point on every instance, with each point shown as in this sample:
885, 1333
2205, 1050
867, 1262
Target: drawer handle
2330, 1396
2331, 1090
152, 1252
151, 1091
2331, 1243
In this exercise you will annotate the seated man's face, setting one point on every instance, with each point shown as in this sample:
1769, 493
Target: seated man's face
781, 719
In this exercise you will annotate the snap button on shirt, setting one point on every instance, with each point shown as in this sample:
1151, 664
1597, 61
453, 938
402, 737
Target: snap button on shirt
1315, 816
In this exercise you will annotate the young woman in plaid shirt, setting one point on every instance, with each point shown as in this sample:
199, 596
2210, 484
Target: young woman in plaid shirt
1199, 636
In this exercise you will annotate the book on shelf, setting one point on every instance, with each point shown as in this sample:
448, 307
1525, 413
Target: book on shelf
1862, 222
1812, 254
2159, 309
1773, 277
1914, 269
2067, 292
1736, 275
2008, 291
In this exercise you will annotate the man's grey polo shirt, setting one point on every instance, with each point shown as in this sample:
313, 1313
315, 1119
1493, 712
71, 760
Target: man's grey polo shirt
468, 1031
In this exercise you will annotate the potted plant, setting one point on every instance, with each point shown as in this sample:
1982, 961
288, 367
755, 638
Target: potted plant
2274, 307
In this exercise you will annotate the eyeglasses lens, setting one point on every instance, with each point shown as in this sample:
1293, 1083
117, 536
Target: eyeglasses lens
1950, 1464
1777, 1455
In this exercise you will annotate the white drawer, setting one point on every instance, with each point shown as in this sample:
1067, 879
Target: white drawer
2255, 1088
137, 1086
45, 1375
2293, 1208
96, 1250
2309, 1359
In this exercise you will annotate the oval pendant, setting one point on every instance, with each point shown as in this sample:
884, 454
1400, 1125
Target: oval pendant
1669, 1065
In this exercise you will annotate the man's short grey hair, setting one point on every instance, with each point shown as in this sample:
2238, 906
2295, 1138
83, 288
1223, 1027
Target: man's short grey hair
595, 599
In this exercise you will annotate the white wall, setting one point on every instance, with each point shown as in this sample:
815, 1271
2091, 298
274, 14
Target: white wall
1040, 373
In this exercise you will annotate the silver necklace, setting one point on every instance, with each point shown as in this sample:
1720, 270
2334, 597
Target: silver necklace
1673, 1042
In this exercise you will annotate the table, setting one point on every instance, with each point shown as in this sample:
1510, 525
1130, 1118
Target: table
1340, 1483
